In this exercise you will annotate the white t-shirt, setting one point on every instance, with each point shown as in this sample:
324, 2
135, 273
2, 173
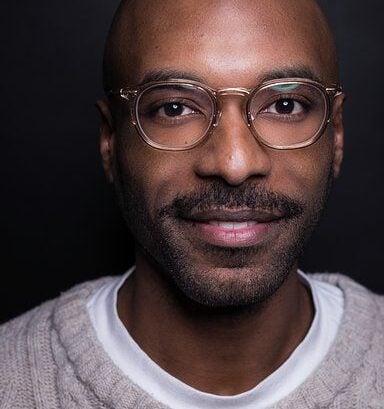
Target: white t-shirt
136, 364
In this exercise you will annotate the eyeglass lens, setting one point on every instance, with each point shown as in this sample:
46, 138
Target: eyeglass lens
179, 115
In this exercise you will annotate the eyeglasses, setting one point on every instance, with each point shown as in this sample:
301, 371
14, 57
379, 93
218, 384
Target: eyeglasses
178, 115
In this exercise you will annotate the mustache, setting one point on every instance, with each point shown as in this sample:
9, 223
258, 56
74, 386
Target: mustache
218, 195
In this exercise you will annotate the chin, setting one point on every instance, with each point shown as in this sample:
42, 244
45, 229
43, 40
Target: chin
229, 285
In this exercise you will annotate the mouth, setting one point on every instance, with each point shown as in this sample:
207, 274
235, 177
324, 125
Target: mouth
233, 228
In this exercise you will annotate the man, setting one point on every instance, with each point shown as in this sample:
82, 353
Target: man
222, 132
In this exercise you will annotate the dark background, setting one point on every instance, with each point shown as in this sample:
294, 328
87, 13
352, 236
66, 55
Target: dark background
59, 221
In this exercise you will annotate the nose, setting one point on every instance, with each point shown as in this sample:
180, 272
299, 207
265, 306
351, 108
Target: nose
232, 152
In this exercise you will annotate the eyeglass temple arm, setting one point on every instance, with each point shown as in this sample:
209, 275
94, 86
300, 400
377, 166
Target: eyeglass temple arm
335, 91
122, 92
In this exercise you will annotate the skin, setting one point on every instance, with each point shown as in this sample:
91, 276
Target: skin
225, 44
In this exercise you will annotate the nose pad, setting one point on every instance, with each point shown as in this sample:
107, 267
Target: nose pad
247, 118
217, 119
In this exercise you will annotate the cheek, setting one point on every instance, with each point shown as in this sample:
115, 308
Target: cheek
303, 173
155, 176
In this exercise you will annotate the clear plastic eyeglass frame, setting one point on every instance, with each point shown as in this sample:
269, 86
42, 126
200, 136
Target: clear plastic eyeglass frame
132, 96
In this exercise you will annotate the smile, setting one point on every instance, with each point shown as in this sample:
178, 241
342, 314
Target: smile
233, 225
231, 228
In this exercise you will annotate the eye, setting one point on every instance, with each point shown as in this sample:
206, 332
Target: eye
286, 106
170, 110
173, 109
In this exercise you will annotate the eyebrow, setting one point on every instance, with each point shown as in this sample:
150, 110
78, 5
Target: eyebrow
169, 74
291, 72
284, 72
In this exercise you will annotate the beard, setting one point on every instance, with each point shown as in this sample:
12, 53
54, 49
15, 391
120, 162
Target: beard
213, 276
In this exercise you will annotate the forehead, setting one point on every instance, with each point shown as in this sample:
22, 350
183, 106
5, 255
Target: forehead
224, 43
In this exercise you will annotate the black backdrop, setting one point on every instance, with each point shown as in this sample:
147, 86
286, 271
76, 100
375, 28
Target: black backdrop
59, 221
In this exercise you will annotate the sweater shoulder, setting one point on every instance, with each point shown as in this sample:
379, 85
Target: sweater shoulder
26, 351
362, 306
20, 326
362, 328
352, 373
352, 288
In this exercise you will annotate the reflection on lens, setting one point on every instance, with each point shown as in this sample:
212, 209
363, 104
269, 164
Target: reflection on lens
288, 114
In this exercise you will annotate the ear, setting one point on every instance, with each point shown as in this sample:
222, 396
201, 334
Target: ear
338, 133
107, 138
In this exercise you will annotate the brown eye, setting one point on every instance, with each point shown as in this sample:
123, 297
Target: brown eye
286, 106
174, 109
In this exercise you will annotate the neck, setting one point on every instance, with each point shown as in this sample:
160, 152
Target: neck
209, 348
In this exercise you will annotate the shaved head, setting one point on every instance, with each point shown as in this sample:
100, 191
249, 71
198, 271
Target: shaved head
139, 23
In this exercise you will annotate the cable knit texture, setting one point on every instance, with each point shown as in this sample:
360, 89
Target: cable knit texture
50, 358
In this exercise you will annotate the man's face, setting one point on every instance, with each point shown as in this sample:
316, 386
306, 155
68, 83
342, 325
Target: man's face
225, 222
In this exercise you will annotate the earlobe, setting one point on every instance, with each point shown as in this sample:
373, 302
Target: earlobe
338, 134
107, 139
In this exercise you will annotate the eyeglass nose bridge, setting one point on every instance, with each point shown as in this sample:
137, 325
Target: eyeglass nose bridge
233, 91
236, 91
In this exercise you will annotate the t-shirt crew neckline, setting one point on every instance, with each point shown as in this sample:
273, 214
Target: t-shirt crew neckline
138, 366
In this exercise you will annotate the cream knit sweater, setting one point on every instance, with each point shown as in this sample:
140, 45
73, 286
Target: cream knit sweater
50, 358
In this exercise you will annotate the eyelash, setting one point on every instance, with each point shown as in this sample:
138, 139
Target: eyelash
153, 109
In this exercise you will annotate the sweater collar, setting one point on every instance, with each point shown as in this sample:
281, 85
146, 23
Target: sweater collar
82, 355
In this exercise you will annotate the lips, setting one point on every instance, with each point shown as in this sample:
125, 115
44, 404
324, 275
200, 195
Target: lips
233, 227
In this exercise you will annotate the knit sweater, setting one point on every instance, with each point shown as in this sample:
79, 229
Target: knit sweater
50, 358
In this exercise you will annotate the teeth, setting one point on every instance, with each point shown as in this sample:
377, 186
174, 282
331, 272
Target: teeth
233, 225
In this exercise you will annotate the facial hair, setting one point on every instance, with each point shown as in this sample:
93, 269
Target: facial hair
213, 276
